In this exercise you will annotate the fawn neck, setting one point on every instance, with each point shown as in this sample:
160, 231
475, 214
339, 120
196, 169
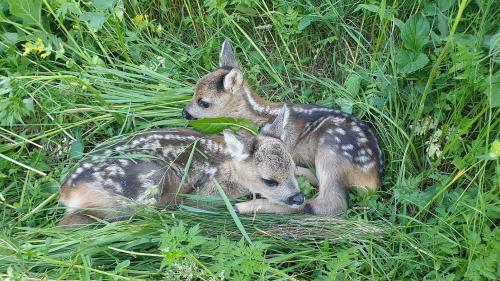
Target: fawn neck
259, 109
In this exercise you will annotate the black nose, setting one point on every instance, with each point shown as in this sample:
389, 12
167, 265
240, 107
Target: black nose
296, 199
186, 115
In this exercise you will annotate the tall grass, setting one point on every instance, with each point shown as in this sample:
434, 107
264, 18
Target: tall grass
423, 74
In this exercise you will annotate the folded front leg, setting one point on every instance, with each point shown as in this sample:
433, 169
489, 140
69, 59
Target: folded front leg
310, 176
264, 206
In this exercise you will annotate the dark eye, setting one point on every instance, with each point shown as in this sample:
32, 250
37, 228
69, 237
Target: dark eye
203, 104
270, 182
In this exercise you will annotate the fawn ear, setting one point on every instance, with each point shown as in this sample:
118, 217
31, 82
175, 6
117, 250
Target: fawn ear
226, 57
234, 146
278, 128
233, 80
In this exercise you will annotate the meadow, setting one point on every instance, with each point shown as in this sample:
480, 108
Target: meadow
423, 74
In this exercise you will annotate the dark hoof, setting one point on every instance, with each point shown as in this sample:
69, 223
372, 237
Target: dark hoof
308, 209
236, 209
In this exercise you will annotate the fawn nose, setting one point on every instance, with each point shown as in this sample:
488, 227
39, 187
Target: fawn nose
297, 199
186, 115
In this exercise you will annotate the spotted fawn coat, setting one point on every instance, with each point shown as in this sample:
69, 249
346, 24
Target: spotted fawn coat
148, 169
343, 150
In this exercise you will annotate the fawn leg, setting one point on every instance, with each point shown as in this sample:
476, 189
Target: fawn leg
310, 176
75, 219
333, 194
264, 206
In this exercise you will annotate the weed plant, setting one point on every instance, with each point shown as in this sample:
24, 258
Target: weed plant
424, 74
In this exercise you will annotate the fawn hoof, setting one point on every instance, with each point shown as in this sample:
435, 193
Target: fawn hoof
236, 209
308, 209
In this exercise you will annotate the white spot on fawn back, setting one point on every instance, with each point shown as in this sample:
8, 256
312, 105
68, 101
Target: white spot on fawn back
347, 154
362, 158
362, 140
145, 179
338, 120
114, 170
340, 131
367, 166
347, 147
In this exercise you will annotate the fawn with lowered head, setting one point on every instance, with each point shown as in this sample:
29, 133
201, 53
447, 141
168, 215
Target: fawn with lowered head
344, 150
113, 180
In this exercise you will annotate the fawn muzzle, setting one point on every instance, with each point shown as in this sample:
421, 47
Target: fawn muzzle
296, 200
187, 115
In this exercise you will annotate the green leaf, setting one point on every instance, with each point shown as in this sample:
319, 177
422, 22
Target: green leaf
232, 212
11, 38
410, 61
77, 150
345, 104
415, 33
352, 84
122, 265
492, 85
216, 125
28, 10
103, 4
492, 42
495, 148
369, 7
444, 5
28, 103
95, 19
306, 21
67, 9
383, 11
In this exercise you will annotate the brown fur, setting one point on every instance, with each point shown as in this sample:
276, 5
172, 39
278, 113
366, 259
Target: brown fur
362, 181
109, 185
343, 149
84, 200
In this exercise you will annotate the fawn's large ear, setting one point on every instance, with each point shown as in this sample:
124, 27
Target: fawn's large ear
278, 128
234, 146
226, 57
233, 80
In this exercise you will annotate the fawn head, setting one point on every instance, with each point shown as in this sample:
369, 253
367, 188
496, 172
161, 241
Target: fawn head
220, 92
263, 164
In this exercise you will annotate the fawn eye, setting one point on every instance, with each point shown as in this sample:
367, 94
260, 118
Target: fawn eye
203, 104
270, 182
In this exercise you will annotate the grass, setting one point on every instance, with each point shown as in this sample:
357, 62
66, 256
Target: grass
424, 74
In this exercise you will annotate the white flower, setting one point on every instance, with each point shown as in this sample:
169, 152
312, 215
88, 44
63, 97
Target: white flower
434, 148
426, 124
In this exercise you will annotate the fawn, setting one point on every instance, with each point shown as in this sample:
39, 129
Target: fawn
343, 150
148, 169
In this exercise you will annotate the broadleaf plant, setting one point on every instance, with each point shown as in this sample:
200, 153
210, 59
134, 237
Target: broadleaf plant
415, 33
216, 125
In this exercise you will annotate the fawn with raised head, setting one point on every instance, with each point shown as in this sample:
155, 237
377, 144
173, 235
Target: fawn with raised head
344, 150
148, 169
